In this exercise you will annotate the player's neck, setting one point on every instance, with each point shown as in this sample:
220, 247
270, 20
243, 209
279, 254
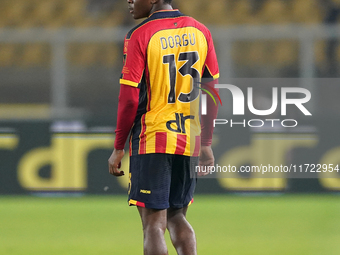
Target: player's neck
160, 7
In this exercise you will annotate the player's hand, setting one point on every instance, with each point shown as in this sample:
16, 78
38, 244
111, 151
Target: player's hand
206, 159
115, 162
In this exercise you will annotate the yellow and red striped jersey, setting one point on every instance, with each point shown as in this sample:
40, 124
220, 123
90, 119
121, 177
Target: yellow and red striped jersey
162, 56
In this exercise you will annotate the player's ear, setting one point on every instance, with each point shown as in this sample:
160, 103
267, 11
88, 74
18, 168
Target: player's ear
154, 1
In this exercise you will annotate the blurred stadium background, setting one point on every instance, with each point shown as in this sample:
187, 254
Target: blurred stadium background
60, 63
63, 58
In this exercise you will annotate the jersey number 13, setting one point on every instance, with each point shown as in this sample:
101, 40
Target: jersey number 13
187, 69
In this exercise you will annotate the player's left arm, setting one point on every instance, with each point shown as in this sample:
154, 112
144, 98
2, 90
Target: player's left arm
127, 110
210, 76
207, 128
210, 72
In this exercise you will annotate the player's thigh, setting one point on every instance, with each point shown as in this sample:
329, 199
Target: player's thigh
173, 213
153, 218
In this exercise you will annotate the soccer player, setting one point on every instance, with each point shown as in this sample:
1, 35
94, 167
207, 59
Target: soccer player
159, 105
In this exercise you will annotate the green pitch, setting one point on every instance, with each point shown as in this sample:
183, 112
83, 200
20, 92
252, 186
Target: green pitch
232, 225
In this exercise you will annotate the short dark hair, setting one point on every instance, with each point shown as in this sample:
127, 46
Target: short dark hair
167, 1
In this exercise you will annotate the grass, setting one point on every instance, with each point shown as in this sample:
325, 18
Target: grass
224, 224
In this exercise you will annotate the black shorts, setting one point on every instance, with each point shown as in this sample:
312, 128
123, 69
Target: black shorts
160, 181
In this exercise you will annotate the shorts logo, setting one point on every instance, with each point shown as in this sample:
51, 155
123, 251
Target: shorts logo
145, 191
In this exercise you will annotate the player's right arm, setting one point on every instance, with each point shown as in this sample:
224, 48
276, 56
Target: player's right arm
127, 110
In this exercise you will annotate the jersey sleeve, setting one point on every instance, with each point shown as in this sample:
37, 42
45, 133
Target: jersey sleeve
134, 61
207, 121
127, 110
210, 69
211, 74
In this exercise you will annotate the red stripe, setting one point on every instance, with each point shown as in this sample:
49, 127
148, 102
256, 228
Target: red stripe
130, 147
140, 204
160, 146
197, 146
142, 137
181, 143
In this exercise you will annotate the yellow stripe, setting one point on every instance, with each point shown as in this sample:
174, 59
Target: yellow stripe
130, 83
132, 202
216, 76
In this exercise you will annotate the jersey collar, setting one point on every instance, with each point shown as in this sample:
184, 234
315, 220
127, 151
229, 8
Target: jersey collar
166, 13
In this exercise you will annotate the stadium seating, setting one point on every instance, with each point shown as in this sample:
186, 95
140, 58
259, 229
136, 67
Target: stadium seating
306, 11
94, 54
242, 13
7, 55
275, 12
53, 14
35, 55
218, 12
